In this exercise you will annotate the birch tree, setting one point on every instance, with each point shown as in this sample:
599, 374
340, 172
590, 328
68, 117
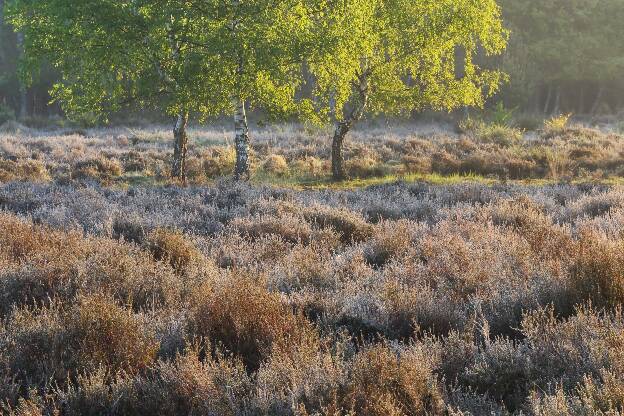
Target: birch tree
397, 56
259, 47
113, 54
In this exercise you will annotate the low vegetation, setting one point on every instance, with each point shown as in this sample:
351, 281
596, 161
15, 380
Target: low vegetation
399, 299
557, 150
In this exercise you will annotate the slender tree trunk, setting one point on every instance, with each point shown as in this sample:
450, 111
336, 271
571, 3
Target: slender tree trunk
241, 142
180, 144
23, 97
338, 170
548, 99
343, 127
598, 101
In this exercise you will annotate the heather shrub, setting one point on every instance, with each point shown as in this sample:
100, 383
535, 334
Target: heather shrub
31, 170
403, 298
275, 165
386, 382
351, 226
598, 269
500, 135
309, 166
195, 171
241, 317
364, 166
173, 247
220, 162
291, 229
394, 239
303, 378
107, 334
416, 164
97, 168
303, 267
52, 343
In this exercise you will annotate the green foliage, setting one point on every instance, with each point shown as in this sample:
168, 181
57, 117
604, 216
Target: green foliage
557, 124
398, 56
501, 116
198, 56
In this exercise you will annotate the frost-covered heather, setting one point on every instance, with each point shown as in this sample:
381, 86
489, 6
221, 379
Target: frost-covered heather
236, 299
129, 154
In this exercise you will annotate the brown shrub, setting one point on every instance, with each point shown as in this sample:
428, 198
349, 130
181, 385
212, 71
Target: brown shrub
290, 229
526, 218
364, 167
416, 164
242, 317
31, 170
20, 239
393, 240
173, 247
220, 162
444, 163
275, 165
100, 168
44, 263
383, 382
195, 171
309, 166
106, 334
352, 227
598, 269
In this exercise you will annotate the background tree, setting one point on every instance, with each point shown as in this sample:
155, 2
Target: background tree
574, 49
259, 47
112, 54
396, 56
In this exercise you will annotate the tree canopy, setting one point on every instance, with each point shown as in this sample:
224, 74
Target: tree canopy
397, 56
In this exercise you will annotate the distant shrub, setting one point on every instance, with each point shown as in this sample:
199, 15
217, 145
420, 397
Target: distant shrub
445, 163
502, 134
275, 165
309, 166
364, 167
220, 162
501, 116
556, 124
416, 164
195, 171
100, 168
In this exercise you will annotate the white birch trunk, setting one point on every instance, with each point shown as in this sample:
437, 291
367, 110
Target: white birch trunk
180, 146
241, 141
